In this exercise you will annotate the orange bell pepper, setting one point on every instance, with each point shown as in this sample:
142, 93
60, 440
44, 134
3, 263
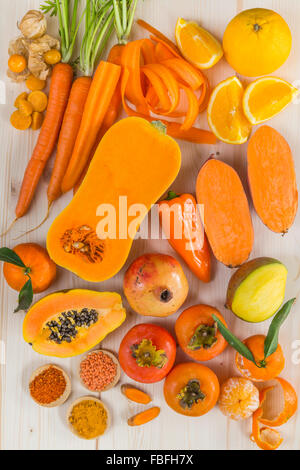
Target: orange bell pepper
181, 223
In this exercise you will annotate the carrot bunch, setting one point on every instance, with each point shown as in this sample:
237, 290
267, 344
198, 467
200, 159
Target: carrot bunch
158, 81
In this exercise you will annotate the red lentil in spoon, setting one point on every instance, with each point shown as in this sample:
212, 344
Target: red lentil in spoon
97, 371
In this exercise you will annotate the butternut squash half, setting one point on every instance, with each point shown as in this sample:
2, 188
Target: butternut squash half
134, 165
68, 323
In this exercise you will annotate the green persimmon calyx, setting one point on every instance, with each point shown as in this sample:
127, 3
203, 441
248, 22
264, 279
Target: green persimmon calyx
146, 354
204, 337
190, 394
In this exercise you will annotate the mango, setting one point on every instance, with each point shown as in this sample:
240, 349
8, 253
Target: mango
256, 290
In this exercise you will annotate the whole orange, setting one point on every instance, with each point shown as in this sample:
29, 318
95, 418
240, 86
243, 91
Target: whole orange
39, 266
266, 369
257, 42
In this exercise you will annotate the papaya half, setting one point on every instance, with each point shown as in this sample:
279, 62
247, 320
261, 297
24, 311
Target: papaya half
68, 323
134, 165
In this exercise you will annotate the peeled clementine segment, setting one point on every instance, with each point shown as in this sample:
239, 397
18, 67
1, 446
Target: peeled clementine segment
225, 113
289, 408
239, 398
197, 45
267, 97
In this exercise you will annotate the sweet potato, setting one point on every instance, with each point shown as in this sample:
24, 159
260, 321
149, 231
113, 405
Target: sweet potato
272, 179
225, 213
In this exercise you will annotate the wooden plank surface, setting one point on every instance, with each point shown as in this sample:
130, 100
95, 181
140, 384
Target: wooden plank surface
26, 426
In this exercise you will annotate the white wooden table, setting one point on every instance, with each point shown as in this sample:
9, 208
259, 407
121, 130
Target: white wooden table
24, 425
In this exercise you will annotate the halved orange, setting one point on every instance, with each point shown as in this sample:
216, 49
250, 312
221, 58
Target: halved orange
266, 97
239, 398
225, 113
197, 45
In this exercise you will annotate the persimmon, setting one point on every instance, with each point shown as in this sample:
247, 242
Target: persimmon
147, 353
197, 333
38, 266
17, 63
191, 389
265, 368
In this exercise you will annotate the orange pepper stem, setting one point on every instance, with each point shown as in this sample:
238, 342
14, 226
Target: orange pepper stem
172, 195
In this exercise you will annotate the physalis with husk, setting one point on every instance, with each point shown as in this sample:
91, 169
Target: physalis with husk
33, 44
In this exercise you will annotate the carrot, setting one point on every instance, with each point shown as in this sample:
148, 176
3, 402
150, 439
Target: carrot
170, 83
195, 135
58, 98
185, 72
144, 417
68, 134
136, 395
272, 179
174, 129
103, 130
123, 23
163, 53
193, 109
60, 87
131, 60
158, 34
159, 89
226, 218
101, 92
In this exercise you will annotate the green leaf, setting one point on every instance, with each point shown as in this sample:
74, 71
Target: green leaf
25, 297
271, 341
50, 7
9, 256
234, 341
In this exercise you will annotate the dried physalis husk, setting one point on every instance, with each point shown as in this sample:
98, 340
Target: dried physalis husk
33, 25
37, 49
